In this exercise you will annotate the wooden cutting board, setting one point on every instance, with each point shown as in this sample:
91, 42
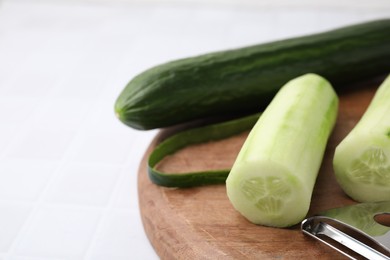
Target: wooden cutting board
200, 223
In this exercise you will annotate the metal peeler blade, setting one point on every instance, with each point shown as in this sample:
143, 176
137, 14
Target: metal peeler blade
360, 231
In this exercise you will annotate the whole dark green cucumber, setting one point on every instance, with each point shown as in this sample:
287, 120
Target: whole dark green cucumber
246, 79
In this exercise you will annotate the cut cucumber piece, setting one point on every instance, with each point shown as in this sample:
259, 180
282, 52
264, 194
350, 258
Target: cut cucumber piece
272, 179
362, 160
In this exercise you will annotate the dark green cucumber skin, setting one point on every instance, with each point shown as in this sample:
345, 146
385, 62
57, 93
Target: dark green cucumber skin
245, 80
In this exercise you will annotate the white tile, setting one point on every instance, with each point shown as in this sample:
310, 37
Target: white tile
61, 115
82, 83
84, 184
13, 257
58, 232
7, 132
58, 57
20, 257
32, 82
24, 179
12, 217
17, 110
104, 112
119, 232
126, 196
103, 148
42, 144
127, 192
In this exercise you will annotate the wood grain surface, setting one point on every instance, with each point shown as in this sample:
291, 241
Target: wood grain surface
200, 223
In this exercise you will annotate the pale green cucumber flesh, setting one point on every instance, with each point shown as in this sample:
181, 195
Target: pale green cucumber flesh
273, 177
268, 194
362, 168
371, 167
362, 160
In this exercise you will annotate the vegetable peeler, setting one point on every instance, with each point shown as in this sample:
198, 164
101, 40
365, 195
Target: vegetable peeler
360, 231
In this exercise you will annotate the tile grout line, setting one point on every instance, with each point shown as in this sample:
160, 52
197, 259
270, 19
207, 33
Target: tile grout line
35, 205
23, 127
110, 204
22, 132
114, 193
40, 200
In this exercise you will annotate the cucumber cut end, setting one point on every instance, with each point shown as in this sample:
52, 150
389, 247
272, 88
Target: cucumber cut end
363, 170
371, 167
362, 160
268, 195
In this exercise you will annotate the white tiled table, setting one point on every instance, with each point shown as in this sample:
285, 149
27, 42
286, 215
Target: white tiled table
68, 167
